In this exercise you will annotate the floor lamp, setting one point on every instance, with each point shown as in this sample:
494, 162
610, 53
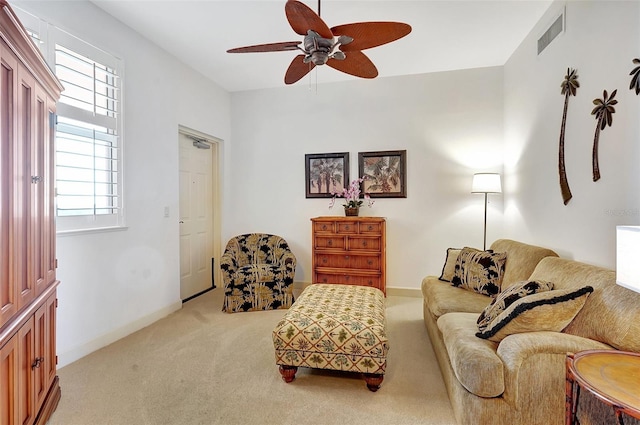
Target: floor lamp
486, 183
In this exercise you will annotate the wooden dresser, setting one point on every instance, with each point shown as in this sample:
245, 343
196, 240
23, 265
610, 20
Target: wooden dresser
29, 387
349, 250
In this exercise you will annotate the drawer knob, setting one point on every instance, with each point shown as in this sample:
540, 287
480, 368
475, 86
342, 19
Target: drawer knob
370, 227
346, 257
324, 280
369, 262
324, 227
330, 242
347, 227
364, 243
324, 260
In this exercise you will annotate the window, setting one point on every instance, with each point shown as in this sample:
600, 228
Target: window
88, 129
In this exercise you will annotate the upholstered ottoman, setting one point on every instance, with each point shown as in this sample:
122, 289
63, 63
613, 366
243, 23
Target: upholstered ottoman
337, 327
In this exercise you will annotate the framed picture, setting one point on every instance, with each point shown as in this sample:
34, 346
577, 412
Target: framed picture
385, 173
325, 173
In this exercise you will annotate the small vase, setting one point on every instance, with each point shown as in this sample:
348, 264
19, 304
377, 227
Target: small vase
351, 211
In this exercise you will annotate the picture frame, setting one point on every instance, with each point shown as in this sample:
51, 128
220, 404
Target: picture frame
385, 173
324, 173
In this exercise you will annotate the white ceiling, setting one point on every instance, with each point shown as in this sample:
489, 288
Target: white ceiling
446, 35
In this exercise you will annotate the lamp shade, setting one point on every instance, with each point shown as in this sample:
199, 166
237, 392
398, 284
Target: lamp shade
627, 252
486, 183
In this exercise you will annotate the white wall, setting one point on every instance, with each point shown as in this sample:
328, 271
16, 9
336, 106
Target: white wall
449, 123
601, 39
116, 282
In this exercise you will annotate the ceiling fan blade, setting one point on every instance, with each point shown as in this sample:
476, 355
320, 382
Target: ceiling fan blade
356, 63
297, 69
270, 47
371, 34
302, 19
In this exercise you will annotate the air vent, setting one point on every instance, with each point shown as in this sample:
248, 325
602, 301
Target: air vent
550, 34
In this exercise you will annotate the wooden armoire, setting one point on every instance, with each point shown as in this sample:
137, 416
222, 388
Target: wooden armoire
29, 387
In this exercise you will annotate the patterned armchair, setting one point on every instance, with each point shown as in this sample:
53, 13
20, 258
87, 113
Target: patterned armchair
257, 270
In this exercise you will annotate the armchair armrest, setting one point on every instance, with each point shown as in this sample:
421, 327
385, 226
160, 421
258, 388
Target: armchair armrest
228, 266
534, 360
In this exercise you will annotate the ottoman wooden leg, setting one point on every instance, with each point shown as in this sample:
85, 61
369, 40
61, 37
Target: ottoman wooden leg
288, 373
373, 381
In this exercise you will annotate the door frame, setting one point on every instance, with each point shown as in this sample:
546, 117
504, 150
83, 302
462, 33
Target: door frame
216, 152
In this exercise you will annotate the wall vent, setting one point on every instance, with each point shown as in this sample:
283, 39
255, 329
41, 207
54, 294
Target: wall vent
551, 33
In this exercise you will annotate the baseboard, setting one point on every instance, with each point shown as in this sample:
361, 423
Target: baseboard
404, 292
80, 351
392, 291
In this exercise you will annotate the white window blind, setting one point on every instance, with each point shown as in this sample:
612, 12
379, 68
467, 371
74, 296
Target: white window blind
89, 179
87, 138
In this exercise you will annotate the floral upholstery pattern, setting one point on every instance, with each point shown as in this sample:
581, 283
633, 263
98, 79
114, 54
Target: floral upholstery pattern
337, 327
257, 270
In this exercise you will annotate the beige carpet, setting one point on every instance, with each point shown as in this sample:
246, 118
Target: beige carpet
202, 366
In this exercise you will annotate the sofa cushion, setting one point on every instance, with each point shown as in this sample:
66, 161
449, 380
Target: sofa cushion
449, 264
522, 259
474, 361
479, 271
440, 298
610, 315
545, 311
508, 296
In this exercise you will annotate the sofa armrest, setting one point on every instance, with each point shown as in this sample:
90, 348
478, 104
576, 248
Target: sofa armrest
535, 360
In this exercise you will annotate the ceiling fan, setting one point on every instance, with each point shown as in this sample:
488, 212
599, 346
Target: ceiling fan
339, 47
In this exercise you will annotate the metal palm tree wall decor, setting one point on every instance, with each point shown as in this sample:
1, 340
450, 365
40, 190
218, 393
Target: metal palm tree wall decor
603, 112
569, 86
635, 79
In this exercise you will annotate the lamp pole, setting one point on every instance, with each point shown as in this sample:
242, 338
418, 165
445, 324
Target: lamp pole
484, 245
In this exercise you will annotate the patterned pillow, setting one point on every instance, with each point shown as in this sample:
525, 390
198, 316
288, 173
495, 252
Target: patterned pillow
545, 311
449, 264
479, 271
507, 297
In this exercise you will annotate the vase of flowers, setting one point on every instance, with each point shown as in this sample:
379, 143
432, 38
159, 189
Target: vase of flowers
351, 197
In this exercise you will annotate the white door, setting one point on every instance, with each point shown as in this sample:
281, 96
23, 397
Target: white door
196, 216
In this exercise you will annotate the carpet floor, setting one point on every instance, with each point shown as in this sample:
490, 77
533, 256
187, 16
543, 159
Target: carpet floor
201, 366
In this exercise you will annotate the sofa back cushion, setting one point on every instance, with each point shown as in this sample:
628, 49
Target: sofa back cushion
522, 259
610, 315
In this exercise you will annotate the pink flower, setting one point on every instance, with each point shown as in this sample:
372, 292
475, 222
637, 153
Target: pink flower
351, 195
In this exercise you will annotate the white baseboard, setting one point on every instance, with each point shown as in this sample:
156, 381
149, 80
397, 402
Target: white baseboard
80, 351
392, 291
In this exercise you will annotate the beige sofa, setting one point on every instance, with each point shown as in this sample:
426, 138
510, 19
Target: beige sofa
521, 380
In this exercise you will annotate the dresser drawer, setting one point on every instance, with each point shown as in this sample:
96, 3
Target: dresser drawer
347, 227
324, 227
329, 242
373, 281
370, 228
364, 243
348, 261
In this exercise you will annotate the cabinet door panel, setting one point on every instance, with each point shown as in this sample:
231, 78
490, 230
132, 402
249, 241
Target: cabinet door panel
26, 396
8, 83
22, 207
9, 382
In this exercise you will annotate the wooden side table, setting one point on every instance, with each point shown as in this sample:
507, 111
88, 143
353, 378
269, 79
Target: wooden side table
612, 376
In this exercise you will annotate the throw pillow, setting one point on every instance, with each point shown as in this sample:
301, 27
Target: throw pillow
508, 296
479, 271
545, 311
449, 264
